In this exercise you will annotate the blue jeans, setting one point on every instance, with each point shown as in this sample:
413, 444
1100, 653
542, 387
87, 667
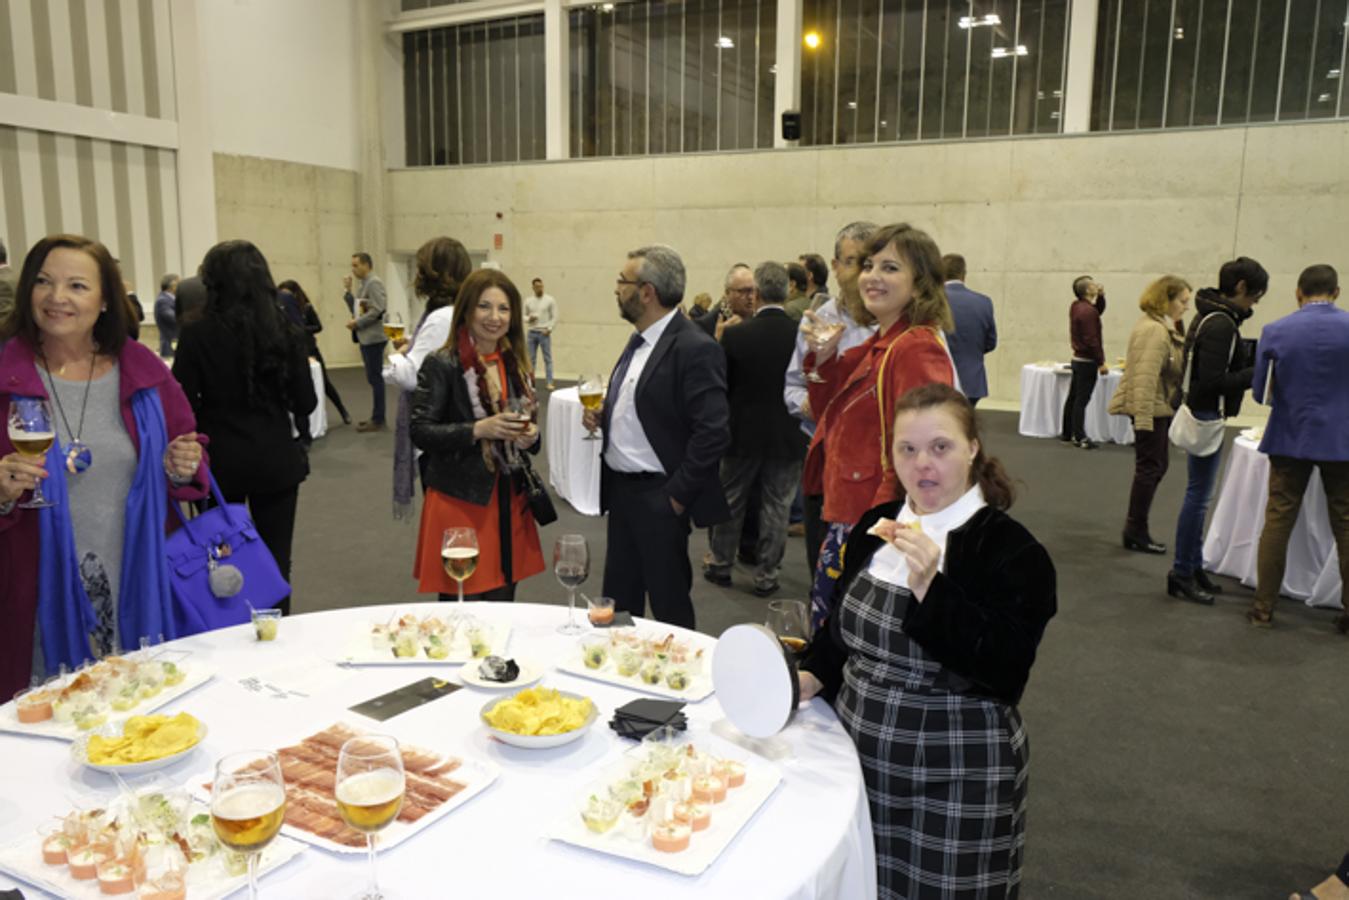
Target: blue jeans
1203, 475
537, 339
372, 355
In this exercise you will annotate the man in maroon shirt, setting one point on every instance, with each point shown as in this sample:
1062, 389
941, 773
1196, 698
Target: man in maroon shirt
1084, 330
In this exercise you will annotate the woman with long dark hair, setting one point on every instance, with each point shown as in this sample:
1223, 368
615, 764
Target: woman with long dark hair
442, 266
471, 416
87, 573
246, 373
943, 599
312, 326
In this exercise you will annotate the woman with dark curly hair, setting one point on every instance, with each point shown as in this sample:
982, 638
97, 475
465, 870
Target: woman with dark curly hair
245, 372
442, 266
309, 316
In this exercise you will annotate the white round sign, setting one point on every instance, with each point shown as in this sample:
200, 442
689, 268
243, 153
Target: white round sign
754, 681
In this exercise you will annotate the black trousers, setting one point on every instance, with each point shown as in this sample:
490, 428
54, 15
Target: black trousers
1075, 406
815, 529
648, 551
1152, 455
329, 388
273, 515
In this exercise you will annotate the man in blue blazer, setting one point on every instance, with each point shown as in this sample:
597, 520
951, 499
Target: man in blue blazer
1300, 373
666, 426
976, 333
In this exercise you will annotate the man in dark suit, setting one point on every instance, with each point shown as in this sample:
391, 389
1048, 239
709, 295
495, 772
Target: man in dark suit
976, 333
665, 430
767, 445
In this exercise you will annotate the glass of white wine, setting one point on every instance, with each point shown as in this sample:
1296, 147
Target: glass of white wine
370, 788
32, 432
459, 555
571, 565
825, 325
248, 805
591, 391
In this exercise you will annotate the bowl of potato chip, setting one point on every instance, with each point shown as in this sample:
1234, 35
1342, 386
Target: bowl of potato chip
539, 717
139, 744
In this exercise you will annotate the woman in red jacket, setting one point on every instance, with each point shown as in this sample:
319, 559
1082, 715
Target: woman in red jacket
901, 285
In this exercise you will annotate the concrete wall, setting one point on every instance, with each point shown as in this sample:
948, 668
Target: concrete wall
304, 220
1029, 215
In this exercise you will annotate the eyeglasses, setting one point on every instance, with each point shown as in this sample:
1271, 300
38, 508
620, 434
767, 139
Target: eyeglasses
622, 280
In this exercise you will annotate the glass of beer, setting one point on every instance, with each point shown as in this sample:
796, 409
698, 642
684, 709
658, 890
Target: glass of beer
591, 391
789, 620
394, 329
459, 555
571, 565
248, 805
32, 432
370, 787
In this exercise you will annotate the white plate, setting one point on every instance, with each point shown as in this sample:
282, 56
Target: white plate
700, 686
66, 731
728, 818
540, 742
79, 752
469, 675
206, 880
360, 651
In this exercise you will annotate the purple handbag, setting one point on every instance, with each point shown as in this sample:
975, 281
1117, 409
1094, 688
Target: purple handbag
219, 567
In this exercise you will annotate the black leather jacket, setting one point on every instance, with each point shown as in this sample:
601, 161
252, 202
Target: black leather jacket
1214, 374
442, 426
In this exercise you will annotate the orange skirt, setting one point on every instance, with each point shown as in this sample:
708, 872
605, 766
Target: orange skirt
441, 511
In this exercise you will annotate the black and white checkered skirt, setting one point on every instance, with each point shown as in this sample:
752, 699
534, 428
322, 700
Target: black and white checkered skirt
946, 772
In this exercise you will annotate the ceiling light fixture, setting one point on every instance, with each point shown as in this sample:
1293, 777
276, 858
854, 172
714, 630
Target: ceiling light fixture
1180, 33
812, 40
1003, 52
725, 43
968, 22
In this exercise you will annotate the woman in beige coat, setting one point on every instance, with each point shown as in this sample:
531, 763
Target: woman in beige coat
1152, 376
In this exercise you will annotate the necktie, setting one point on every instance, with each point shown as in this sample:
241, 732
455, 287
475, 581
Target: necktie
620, 373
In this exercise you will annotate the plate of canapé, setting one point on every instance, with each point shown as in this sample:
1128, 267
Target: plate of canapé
652, 662
108, 691
441, 638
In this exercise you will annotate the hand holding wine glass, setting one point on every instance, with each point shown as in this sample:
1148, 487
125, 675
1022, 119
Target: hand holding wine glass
590, 389
790, 621
823, 335
370, 786
459, 555
248, 805
571, 565
32, 432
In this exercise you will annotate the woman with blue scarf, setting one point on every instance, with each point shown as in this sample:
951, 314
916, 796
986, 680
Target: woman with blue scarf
86, 576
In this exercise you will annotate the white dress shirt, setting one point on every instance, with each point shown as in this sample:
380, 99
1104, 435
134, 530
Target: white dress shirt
629, 450
401, 369
891, 566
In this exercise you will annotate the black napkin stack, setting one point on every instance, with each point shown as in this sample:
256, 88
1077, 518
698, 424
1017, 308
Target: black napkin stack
639, 718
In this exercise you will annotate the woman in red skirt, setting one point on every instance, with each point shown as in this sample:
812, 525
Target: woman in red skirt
472, 416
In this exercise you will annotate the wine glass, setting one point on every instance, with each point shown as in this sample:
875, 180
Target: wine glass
825, 325
459, 555
248, 805
591, 391
32, 433
370, 788
788, 620
571, 565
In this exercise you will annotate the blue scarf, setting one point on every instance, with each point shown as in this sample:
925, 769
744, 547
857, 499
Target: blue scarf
145, 607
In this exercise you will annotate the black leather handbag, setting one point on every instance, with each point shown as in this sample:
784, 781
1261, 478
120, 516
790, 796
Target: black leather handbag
536, 492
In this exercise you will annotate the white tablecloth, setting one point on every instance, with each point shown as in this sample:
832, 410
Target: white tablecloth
1313, 569
318, 419
573, 462
811, 839
1043, 392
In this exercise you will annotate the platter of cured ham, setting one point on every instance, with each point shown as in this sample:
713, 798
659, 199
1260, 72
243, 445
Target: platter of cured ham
437, 783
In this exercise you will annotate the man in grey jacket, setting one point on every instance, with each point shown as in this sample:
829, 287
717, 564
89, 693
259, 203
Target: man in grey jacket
367, 307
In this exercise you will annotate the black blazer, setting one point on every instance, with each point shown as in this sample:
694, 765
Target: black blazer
758, 352
681, 403
982, 618
442, 425
252, 449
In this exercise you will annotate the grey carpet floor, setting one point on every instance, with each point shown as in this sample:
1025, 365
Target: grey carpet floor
1175, 751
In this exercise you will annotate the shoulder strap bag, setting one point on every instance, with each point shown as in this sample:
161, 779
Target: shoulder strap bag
1196, 436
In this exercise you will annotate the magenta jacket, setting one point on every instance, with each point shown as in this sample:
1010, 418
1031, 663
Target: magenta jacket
138, 367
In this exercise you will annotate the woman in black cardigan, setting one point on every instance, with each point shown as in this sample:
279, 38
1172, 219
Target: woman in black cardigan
944, 599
